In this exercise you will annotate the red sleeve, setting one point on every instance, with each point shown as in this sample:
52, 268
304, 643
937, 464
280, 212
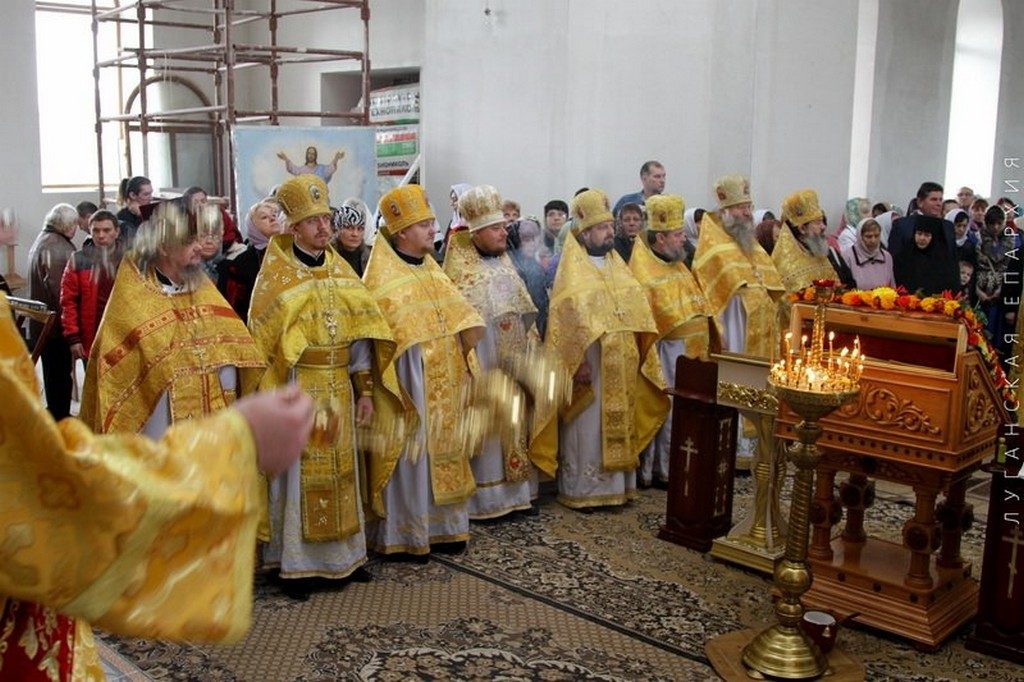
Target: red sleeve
70, 299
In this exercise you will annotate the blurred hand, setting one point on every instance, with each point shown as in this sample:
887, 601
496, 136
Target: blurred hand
282, 156
280, 421
77, 352
364, 411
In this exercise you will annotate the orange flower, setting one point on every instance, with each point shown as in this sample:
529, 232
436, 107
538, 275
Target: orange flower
809, 294
851, 298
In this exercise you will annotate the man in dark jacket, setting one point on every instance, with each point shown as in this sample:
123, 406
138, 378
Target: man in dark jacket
47, 257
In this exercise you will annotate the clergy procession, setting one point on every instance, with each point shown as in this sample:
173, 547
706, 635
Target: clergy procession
350, 349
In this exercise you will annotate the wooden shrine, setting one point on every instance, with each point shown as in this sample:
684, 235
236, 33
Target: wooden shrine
926, 416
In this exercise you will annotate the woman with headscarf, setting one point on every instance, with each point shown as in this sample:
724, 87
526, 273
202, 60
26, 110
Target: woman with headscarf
237, 276
966, 242
927, 265
869, 262
456, 224
349, 225
856, 210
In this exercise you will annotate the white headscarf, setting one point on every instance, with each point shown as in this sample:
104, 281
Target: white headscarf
690, 226
884, 221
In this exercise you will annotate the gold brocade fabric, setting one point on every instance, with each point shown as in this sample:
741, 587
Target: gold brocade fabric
296, 308
677, 303
495, 289
491, 285
588, 305
423, 307
723, 270
797, 267
151, 342
121, 531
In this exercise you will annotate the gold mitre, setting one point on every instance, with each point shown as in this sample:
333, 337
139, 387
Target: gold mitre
732, 190
480, 207
403, 207
590, 208
801, 207
303, 196
665, 212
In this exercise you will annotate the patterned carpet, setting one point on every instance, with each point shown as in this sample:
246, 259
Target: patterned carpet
561, 596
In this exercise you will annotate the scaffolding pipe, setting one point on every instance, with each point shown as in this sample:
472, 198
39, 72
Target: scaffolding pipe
96, 99
220, 58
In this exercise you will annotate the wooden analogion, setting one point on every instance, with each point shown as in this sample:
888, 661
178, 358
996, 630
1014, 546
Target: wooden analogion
927, 415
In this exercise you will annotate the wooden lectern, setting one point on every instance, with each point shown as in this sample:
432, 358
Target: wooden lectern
999, 627
926, 416
701, 458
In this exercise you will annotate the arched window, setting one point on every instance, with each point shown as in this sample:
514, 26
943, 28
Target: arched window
974, 102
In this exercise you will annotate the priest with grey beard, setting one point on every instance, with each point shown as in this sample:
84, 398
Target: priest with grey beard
739, 280
802, 254
169, 348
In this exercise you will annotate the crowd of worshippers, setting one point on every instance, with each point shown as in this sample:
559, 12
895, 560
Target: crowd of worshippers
386, 334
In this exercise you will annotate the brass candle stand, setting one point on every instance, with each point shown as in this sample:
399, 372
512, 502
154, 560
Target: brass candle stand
783, 650
814, 382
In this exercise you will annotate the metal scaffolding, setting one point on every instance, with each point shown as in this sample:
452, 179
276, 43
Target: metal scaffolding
219, 56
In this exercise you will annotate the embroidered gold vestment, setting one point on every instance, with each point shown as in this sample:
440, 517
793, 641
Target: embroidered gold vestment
677, 303
151, 342
608, 306
423, 307
304, 319
494, 288
797, 267
118, 530
724, 271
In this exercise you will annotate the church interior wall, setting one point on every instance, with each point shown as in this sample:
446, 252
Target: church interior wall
541, 97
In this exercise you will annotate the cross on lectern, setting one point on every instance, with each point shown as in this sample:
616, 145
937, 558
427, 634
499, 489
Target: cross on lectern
1015, 541
689, 449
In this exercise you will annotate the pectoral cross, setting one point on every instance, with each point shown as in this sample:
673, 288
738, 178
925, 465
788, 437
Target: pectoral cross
200, 353
1015, 541
332, 324
689, 450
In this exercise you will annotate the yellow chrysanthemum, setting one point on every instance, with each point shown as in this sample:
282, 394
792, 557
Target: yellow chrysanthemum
929, 304
886, 297
950, 307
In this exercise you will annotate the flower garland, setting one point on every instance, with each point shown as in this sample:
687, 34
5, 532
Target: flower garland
887, 298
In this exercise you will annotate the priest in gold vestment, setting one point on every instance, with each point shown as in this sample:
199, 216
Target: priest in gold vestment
801, 252
169, 347
435, 330
122, 531
737, 276
600, 326
477, 262
740, 283
678, 306
318, 325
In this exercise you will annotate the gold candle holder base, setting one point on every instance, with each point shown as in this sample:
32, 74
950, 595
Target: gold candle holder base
783, 650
